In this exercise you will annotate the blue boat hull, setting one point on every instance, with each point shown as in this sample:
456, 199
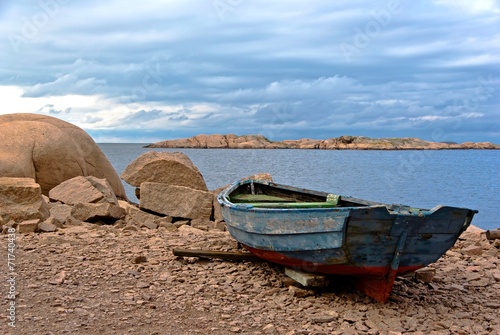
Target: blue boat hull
373, 241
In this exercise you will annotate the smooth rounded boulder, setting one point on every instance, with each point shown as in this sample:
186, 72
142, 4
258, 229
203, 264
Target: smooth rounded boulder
50, 151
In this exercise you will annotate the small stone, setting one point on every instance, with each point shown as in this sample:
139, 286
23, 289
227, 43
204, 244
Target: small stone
299, 293
496, 274
142, 284
270, 329
139, 259
168, 226
164, 276
483, 282
28, 226
59, 279
471, 276
352, 316
425, 274
472, 250
457, 287
149, 224
47, 227
130, 228
322, 318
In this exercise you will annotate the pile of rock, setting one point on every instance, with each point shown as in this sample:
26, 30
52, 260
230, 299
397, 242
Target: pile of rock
170, 187
89, 199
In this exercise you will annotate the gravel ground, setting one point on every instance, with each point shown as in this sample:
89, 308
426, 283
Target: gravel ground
92, 279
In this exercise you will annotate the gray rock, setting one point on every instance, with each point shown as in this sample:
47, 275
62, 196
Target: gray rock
176, 201
425, 274
149, 224
61, 213
47, 227
323, 318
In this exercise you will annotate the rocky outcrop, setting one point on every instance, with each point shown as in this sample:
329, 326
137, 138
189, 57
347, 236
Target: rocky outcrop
21, 199
230, 141
170, 168
50, 151
340, 143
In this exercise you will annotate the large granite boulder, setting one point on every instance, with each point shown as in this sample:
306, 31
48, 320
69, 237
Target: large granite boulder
50, 151
21, 199
176, 201
171, 168
83, 190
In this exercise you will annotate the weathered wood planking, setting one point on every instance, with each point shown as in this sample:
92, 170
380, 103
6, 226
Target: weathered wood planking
370, 240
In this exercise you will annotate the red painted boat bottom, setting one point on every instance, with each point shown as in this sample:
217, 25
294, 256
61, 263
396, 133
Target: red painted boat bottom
374, 281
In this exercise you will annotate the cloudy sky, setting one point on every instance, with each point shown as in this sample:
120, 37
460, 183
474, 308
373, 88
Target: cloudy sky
144, 71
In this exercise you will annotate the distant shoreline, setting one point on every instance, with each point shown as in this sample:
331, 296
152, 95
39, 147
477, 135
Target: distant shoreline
232, 141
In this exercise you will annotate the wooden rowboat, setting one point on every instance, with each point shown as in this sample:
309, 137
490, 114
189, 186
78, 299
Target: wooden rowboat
331, 234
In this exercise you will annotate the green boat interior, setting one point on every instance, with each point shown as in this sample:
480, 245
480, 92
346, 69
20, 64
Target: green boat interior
269, 196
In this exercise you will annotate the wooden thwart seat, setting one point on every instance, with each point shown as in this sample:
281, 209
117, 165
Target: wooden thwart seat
270, 201
292, 204
258, 198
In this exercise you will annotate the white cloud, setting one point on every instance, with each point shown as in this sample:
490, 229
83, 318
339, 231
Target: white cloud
258, 66
476, 6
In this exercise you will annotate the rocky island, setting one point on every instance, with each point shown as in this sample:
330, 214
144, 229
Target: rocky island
232, 141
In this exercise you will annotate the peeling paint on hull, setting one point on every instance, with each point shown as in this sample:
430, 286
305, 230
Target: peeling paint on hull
372, 241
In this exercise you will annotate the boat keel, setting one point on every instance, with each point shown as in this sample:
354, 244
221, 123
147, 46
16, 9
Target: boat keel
380, 288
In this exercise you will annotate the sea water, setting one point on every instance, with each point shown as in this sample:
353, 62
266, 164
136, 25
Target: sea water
419, 178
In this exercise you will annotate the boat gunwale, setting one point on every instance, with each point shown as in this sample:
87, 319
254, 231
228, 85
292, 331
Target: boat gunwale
223, 198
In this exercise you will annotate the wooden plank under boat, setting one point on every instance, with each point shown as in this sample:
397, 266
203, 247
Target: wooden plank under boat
330, 234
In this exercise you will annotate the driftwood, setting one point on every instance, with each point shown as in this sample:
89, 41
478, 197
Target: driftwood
233, 256
493, 234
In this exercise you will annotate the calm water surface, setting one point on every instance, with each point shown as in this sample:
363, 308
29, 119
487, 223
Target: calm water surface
468, 178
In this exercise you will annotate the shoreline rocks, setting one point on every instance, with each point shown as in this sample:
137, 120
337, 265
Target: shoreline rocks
232, 141
97, 265
106, 279
88, 263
